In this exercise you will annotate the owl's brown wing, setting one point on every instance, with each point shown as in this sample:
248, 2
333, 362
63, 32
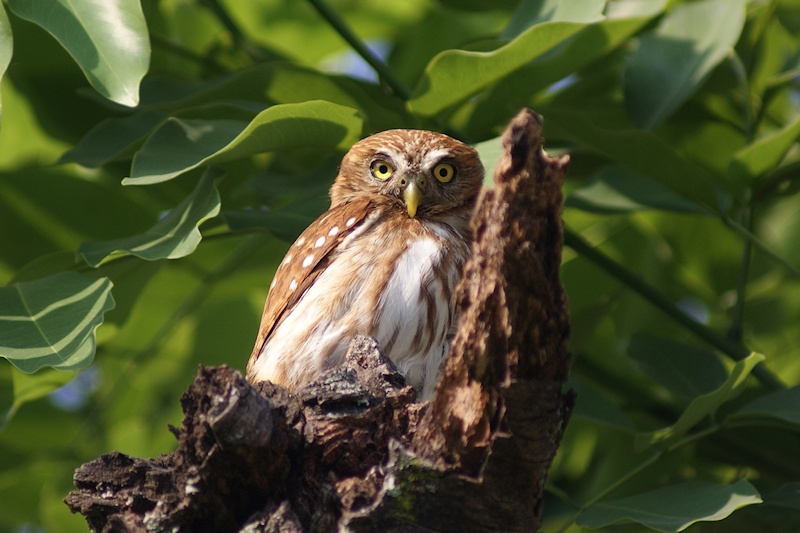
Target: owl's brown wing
304, 261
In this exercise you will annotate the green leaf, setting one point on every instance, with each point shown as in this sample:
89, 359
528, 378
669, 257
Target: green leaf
673, 508
30, 387
705, 405
617, 189
107, 38
274, 83
685, 370
592, 405
783, 405
532, 12
489, 152
596, 40
112, 138
763, 156
6, 44
454, 75
640, 151
787, 496
173, 236
671, 63
284, 224
180, 145
51, 321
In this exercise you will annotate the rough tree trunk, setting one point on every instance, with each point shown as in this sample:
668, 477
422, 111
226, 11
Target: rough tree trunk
353, 451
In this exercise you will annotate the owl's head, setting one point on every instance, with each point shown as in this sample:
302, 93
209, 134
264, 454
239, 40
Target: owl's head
421, 172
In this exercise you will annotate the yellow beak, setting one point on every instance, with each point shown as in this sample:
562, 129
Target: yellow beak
412, 196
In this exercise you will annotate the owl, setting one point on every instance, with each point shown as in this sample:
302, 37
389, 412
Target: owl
383, 261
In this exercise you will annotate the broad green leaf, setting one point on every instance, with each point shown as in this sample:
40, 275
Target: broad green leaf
763, 156
673, 508
596, 40
29, 387
275, 83
113, 138
640, 151
179, 145
119, 137
671, 63
532, 12
6, 44
617, 189
454, 75
782, 405
592, 405
107, 38
489, 152
286, 225
173, 236
787, 496
51, 321
703, 406
685, 370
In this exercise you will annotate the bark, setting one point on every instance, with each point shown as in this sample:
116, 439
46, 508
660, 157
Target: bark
354, 451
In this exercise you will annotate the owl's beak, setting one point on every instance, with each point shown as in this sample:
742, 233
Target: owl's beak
412, 196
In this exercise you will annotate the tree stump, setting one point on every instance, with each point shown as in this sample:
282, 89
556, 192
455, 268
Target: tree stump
354, 451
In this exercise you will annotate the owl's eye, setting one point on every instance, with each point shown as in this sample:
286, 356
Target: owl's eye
444, 172
381, 169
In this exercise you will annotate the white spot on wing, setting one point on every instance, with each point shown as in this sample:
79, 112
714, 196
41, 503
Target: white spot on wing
334, 230
350, 221
272, 285
308, 260
300, 242
293, 284
287, 259
319, 242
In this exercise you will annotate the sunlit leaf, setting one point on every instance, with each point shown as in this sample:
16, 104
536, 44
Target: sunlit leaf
782, 405
596, 40
673, 508
489, 152
671, 63
704, 405
181, 145
51, 321
531, 12
6, 44
454, 75
758, 159
107, 38
173, 236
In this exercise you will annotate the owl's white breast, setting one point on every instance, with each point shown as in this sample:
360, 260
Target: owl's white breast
410, 314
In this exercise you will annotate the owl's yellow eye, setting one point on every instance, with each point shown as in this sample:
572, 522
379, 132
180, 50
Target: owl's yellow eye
444, 172
381, 169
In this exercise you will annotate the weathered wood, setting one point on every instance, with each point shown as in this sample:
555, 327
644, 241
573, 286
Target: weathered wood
353, 450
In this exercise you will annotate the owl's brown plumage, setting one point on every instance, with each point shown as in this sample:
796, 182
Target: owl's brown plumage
382, 261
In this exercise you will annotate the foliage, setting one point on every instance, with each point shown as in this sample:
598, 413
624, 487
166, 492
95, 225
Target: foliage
682, 221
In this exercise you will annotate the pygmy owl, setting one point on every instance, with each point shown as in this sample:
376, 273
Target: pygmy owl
383, 261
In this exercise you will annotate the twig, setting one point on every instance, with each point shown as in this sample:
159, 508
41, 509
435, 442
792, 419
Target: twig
333, 18
734, 350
